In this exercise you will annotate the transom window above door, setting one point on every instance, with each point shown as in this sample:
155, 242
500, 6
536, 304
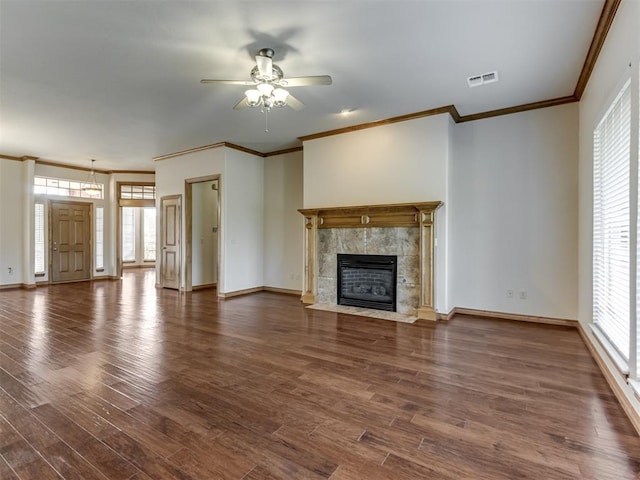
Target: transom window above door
137, 192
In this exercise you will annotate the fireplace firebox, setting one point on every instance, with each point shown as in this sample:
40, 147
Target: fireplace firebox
367, 281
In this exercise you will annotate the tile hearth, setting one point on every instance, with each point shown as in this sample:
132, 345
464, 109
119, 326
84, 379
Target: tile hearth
364, 312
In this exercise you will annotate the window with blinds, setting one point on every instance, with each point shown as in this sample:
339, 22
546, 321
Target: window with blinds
99, 239
611, 222
38, 238
149, 234
129, 234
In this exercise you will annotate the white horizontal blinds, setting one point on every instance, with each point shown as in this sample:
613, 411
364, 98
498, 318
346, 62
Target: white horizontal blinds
99, 238
149, 234
611, 222
38, 238
128, 234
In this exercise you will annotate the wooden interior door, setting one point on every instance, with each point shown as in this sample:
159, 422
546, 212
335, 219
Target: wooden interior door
70, 241
170, 230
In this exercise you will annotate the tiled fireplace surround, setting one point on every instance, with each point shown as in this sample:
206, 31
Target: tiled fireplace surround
404, 230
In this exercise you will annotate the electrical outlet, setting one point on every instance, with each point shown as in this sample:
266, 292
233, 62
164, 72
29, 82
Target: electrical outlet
10, 270
509, 293
523, 295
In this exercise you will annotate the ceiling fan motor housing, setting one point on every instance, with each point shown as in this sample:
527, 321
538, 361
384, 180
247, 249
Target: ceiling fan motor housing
266, 52
276, 75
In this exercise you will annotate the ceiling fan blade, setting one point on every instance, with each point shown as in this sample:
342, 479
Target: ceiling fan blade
228, 82
241, 105
265, 65
294, 103
304, 81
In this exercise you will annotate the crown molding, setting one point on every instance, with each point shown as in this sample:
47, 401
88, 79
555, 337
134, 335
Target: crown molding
387, 121
517, 109
18, 159
73, 167
602, 29
282, 152
208, 147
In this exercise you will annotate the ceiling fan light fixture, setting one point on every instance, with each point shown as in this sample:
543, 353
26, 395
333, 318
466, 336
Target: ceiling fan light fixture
267, 82
254, 97
265, 89
280, 96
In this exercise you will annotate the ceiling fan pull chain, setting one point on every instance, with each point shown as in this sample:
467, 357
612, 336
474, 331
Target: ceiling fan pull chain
266, 120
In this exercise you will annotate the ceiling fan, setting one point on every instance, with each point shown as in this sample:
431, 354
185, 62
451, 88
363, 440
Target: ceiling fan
268, 82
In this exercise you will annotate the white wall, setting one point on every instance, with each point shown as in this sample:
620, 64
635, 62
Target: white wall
397, 163
283, 228
241, 209
244, 226
12, 222
513, 217
621, 48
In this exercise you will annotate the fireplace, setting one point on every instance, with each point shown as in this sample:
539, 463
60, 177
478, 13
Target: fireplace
406, 230
367, 281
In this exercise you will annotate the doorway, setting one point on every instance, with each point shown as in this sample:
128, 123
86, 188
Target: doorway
135, 225
203, 232
70, 241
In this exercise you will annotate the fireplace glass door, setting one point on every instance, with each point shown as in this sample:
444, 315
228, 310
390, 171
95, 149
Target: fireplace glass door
367, 281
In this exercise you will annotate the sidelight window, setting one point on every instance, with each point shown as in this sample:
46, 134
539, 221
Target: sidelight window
39, 239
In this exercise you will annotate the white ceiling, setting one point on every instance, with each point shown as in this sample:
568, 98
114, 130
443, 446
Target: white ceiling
118, 81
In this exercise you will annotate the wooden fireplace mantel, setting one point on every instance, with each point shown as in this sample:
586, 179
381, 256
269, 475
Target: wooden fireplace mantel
419, 215
391, 215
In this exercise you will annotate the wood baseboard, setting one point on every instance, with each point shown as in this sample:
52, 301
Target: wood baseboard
445, 317
247, 291
511, 316
285, 291
13, 286
634, 416
237, 293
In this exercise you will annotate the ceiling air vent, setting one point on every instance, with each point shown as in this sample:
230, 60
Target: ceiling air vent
477, 80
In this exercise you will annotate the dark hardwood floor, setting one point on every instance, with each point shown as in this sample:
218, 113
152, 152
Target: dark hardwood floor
120, 380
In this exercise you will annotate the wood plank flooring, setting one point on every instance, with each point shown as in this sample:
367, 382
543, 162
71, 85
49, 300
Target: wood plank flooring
119, 380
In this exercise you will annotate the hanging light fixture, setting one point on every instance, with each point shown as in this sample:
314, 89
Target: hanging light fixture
91, 186
266, 96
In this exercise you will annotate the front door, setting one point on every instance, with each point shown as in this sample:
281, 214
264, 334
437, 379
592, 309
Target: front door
70, 241
170, 229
